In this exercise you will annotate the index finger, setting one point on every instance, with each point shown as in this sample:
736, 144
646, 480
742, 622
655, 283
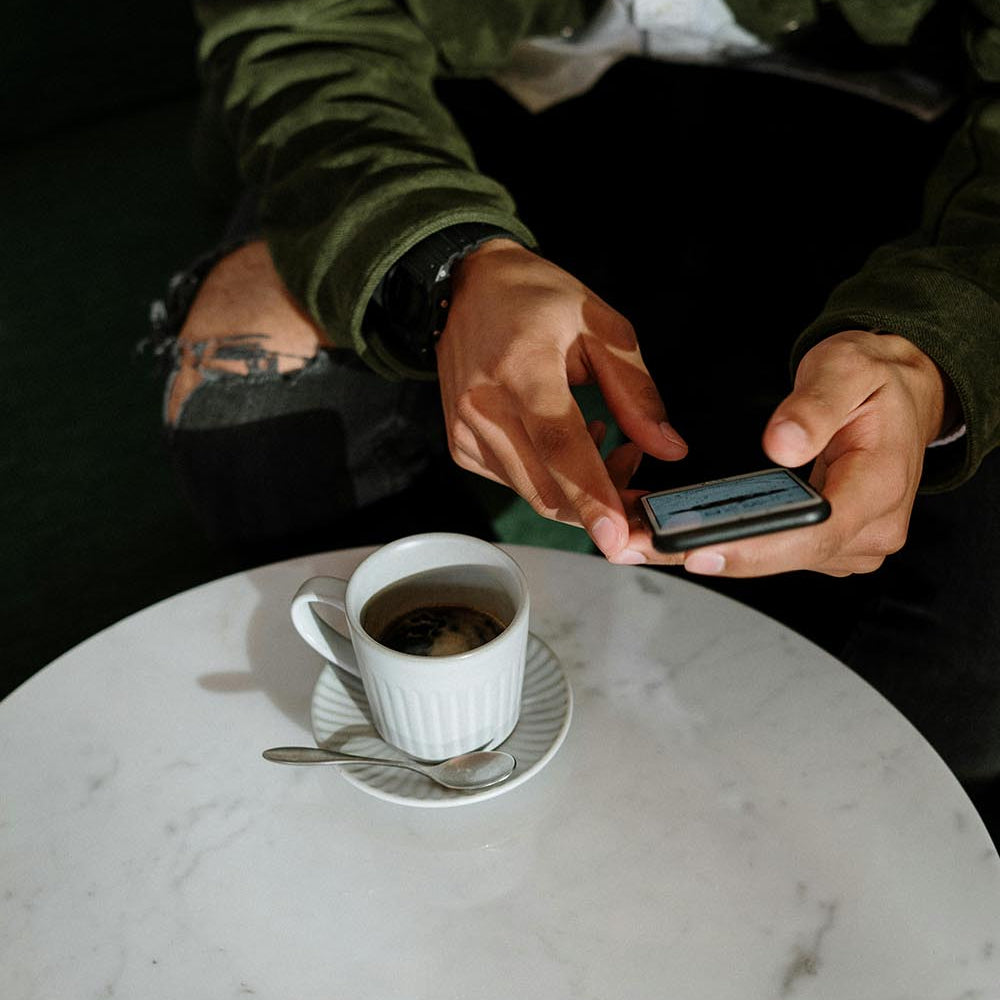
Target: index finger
559, 437
631, 393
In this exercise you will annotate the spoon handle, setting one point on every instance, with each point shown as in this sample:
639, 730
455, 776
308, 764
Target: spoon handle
317, 755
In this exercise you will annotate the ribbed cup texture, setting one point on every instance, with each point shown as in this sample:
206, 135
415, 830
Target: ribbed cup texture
433, 725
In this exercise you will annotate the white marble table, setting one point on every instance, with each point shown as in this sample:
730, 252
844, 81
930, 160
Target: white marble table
733, 816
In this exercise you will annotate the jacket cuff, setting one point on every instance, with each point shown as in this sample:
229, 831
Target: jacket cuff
371, 348
952, 320
409, 308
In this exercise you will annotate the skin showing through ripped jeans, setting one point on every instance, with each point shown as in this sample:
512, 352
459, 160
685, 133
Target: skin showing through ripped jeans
243, 322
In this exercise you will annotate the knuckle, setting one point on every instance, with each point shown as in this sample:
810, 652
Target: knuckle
895, 541
614, 335
463, 459
468, 406
542, 505
462, 439
899, 494
830, 544
622, 331
890, 539
649, 398
865, 564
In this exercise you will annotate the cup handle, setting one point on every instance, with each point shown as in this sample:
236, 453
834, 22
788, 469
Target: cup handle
324, 638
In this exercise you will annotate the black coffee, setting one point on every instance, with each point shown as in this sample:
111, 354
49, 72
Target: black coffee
440, 612
440, 630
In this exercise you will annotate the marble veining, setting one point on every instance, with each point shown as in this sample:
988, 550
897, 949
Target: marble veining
733, 816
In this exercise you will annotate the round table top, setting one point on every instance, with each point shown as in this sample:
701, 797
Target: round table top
733, 814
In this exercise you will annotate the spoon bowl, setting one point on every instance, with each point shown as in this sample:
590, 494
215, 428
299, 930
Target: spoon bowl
467, 772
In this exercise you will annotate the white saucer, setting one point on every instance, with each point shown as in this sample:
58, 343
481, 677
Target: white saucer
341, 720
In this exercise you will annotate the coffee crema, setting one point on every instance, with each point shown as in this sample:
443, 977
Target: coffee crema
440, 630
441, 612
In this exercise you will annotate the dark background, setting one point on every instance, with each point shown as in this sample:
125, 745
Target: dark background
99, 205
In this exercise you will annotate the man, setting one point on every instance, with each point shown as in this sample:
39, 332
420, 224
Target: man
382, 236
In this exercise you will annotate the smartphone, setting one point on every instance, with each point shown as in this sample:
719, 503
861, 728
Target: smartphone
726, 509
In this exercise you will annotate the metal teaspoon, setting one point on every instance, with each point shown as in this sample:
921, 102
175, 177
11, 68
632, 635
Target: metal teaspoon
466, 773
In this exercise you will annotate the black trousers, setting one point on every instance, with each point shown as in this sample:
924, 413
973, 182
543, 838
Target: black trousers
716, 209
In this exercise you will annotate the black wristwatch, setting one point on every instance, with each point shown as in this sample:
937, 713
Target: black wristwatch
409, 307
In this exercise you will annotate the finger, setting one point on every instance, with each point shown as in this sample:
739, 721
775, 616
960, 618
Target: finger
472, 461
631, 394
830, 386
598, 430
486, 437
860, 492
559, 441
622, 464
706, 562
640, 539
507, 451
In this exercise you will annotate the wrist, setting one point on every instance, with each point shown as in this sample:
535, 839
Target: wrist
409, 308
494, 245
936, 395
497, 257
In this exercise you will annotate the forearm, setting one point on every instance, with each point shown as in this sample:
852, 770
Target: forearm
940, 288
333, 114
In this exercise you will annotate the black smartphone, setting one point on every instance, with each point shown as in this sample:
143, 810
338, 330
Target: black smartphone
726, 509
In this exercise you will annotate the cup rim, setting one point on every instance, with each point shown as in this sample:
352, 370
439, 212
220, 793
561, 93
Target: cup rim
361, 634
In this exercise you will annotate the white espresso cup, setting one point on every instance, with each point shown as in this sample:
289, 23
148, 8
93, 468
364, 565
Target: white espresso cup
429, 706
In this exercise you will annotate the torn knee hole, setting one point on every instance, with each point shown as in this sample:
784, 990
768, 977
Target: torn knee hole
244, 356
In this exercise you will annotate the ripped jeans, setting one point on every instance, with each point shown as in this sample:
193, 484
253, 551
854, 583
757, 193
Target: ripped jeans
271, 448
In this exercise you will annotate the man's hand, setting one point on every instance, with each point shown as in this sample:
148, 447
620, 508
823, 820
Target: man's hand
520, 332
865, 406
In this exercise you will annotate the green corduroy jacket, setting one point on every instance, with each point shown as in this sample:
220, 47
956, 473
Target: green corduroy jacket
331, 108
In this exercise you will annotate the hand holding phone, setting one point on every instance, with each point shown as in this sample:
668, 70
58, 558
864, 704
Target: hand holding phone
724, 510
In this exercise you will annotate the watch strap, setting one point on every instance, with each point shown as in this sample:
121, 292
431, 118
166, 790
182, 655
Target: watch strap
409, 308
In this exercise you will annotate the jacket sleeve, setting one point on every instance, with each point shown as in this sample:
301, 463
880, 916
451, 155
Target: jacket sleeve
940, 288
331, 109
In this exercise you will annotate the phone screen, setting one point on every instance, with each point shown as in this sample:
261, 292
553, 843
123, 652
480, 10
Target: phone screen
728, 499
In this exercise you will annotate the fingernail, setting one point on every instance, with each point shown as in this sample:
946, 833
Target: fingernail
628, 557
791, 436
671, 435
606, 535
707, 563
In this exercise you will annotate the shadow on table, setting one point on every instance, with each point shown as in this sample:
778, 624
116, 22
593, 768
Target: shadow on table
281, 665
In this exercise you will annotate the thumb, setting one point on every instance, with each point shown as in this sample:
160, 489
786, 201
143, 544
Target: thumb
825, 396
787, 442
